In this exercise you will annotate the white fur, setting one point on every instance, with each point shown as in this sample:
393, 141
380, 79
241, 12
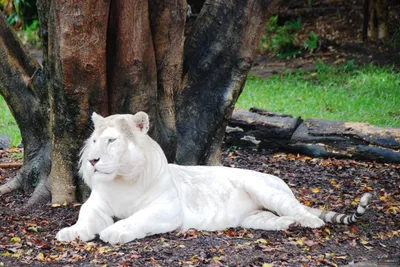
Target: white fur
133, 181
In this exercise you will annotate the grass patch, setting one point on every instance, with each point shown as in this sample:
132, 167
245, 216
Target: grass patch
345, 92
8, 126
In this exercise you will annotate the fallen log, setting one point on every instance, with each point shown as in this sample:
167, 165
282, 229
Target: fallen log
263, 129
346, 140
260, 129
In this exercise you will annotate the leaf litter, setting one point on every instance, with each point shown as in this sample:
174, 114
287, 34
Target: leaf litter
27, 237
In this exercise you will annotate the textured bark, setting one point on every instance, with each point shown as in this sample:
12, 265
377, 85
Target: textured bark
77, 84
21, 85
378, 15
167, 25
218, 55
260, 129
121, 57
132, 74
346, 140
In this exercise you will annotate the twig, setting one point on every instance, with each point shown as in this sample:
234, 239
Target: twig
10, 165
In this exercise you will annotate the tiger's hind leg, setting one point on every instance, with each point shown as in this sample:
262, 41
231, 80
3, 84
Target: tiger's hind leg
266, 220
282, 203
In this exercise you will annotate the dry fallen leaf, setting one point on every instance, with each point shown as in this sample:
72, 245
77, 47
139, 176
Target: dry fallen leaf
315, 190
40, 257
15, 239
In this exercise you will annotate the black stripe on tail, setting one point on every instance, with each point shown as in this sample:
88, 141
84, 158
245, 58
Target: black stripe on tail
334, 217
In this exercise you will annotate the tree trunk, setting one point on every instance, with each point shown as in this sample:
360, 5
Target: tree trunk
22, 84
121, 57
377, 14
213, 76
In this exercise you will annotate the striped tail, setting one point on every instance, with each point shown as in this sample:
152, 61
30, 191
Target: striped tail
334, 217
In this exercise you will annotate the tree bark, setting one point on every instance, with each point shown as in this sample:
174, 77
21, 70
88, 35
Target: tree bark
121, 57
260, 129
218, 54
22, 86
168, 19
378, 15
76, 84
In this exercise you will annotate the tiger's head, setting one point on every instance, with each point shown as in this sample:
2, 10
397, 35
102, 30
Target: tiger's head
115, 148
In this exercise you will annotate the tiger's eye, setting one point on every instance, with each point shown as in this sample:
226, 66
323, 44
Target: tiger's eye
111, 140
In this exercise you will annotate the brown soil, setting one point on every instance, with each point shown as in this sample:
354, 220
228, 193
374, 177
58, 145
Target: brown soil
27, 237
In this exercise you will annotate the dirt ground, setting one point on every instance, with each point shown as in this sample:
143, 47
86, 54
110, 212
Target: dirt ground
338, 25
27, 236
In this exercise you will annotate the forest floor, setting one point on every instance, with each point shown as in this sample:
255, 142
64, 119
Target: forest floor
339, 40
27, 236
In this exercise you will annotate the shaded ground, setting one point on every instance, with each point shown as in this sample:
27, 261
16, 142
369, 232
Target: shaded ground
338, 26
28, 236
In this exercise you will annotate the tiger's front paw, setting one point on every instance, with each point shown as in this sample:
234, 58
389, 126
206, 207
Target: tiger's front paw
119, 232
69, 234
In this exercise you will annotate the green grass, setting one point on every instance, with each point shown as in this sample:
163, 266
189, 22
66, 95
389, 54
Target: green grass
8, 126
370, 94
345, 92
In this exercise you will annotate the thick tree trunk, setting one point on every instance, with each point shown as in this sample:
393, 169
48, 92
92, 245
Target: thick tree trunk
22, 86
77, 85
378, 15
121, 57
218, 54
168, 19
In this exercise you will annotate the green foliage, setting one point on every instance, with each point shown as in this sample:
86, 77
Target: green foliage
345, 92
395, 38
22, 16
31, 34
8, 126
282, 40
312, 43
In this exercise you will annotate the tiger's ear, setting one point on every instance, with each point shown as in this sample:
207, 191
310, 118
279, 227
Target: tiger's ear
96, 118
141, 122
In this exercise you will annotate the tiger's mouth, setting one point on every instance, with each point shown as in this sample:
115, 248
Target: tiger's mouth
96, 170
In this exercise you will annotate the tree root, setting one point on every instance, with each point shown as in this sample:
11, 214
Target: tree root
33, 176
42, 193
11, 185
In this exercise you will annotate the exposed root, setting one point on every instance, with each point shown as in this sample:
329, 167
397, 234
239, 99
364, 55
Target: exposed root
11, 185
41, 194
33, 176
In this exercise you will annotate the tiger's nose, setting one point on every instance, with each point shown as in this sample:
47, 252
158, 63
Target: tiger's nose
94, 161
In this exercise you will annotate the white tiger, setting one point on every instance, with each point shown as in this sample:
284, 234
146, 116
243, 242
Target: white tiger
131, 180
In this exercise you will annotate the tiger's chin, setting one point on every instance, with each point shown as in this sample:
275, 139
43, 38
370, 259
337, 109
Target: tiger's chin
103, 176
